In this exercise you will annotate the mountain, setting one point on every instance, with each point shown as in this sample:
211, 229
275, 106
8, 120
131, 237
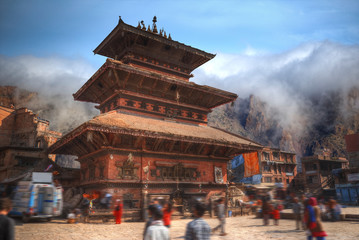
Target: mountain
328, 118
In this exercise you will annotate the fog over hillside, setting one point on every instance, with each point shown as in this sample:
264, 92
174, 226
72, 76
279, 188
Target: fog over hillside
299, 91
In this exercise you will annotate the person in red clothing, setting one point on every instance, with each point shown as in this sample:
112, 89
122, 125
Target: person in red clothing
276, 214
167, 213
118, 211
313, 220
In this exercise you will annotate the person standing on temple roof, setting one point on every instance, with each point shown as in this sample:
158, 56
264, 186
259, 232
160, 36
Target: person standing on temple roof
6, 224
198, 229
118, 211
221, 217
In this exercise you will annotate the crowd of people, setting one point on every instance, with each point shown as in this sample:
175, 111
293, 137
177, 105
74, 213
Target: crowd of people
307, 215
159, 223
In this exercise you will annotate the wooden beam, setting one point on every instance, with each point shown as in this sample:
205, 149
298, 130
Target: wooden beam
200, 149
138, 141
214, 150
187, 147
105, 139
125, 80
154, 85
165, 89
139, 85
172, 144
157, 143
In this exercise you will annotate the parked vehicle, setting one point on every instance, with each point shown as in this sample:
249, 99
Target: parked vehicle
38, 198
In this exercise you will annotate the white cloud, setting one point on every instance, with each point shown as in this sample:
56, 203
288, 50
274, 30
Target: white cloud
288, 81
55, 80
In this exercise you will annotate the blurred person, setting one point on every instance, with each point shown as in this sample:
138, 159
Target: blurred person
313, 221
198, 229
156, 230
167, 213
6, 224
337, 211
221, 217
118, 211
298, 210
276, 214
150, 209
266, 210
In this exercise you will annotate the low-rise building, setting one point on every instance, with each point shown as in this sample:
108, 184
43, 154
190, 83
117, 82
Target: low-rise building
317, 170
278, 167
24, 139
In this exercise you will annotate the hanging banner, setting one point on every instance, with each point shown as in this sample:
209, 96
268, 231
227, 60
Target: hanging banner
251, 164
237, 165
245, 168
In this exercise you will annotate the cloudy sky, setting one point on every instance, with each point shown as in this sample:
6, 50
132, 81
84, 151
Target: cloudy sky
282, 51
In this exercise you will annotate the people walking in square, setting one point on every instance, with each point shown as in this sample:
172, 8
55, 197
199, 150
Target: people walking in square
221, 217
198, 229
266, 210
7, 225
167, 213
298, 210
118, 211
156, 230
276, 215
313, 221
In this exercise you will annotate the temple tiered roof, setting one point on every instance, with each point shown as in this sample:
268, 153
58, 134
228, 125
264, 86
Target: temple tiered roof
169, 133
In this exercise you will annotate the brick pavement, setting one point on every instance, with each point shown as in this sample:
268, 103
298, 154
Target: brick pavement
246, 227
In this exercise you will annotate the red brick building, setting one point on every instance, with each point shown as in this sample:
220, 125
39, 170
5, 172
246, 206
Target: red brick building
278, 167
24, 139
352, 146
151, 138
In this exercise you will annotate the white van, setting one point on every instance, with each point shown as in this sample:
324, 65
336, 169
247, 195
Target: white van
38, 198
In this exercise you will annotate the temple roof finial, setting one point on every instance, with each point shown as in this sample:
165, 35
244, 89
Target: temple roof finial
154, 27
120, 20
143, 25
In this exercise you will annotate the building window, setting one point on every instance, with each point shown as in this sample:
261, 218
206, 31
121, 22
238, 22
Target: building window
312, 179
38, 143
268, 179
266, 168
91, 172
310, 167
266, 156
276, 155
102, 170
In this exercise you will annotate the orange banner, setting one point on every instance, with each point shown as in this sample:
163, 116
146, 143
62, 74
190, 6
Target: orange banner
251, 164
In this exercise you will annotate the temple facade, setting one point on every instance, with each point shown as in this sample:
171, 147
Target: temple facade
151, 139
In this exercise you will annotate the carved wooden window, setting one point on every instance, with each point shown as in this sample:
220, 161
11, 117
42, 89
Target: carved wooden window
83, 173
2, 159
143, 105
156, 108
102, 170
91, 172
130, 103
177, 172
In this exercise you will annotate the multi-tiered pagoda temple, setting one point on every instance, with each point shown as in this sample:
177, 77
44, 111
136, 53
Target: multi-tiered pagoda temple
151, 138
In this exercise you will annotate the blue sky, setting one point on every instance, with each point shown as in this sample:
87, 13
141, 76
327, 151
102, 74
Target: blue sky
283, 52
72, 29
